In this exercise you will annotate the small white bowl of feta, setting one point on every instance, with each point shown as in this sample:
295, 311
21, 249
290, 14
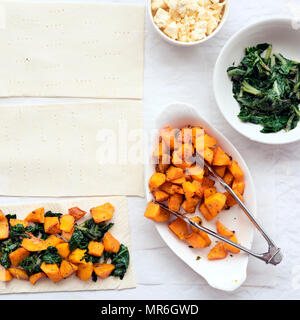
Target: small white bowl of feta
187, 22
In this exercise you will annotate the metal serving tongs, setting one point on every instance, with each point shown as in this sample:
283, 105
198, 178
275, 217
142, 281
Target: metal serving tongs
272, 256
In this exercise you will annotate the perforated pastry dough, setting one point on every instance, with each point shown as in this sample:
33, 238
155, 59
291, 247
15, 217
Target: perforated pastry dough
53, 149
120, 230
71, 50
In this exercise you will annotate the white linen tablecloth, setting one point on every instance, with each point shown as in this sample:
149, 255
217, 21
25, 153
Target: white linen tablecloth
185, 74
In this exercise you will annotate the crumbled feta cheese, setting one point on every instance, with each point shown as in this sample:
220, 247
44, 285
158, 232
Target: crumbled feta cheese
156, 4
172, 30
211, 25
161, 18
188, 20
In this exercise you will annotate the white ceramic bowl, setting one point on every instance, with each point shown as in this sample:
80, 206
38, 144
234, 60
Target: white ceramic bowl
230, 273
187, 44
282, 34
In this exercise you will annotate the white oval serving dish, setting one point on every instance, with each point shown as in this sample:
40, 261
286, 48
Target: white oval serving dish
282, 33
230, 273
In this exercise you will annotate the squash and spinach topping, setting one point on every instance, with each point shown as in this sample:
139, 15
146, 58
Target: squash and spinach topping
55, 246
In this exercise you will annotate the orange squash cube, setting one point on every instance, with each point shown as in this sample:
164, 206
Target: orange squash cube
156, 213
52, 225
180, 228
103, 270
111, 244
36, 216
102, 213
17, 256
76, 213
95, 248
67, 222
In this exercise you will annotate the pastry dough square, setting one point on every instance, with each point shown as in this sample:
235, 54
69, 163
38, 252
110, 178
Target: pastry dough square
63, 149
120, 230
71, 49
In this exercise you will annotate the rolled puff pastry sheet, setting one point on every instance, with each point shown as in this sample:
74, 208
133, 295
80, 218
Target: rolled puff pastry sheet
72, 149
64, 49
120, 230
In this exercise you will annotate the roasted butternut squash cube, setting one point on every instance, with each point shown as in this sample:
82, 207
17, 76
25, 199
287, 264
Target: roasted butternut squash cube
187, 135
77, 256
239, 186
190, 204
111, 244
5, 275
161, 149
228, 178
163, 163
4, 227
52, 225
34, 244
36, 216
18, 273
195, 240
218, 252
95, 248
17, 256
160, 196
14, 222
63, 250
67, 222
174, 202
204, 141
208, 155
207, 183
177, 189
180, 228
52, 271
167, 187
231, 248
156, 180
236, 171
206, 238
53, 241
230, 201
209, 192
215, 203
199, 189
221, 158
206, 213
76, 212
156, 213
174, 173
220, 171
67, 235
196, 133
35, 277
223, 231
196, 172
85, 271
103, 270
189, 189
179, 181
67, 268
103, 213
168, 136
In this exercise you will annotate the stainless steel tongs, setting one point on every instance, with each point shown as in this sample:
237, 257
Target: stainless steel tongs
272, 256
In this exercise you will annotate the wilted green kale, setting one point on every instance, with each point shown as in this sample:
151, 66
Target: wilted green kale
87, 231
52, 214
51, 256
120, 260
32, 264
267, 88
